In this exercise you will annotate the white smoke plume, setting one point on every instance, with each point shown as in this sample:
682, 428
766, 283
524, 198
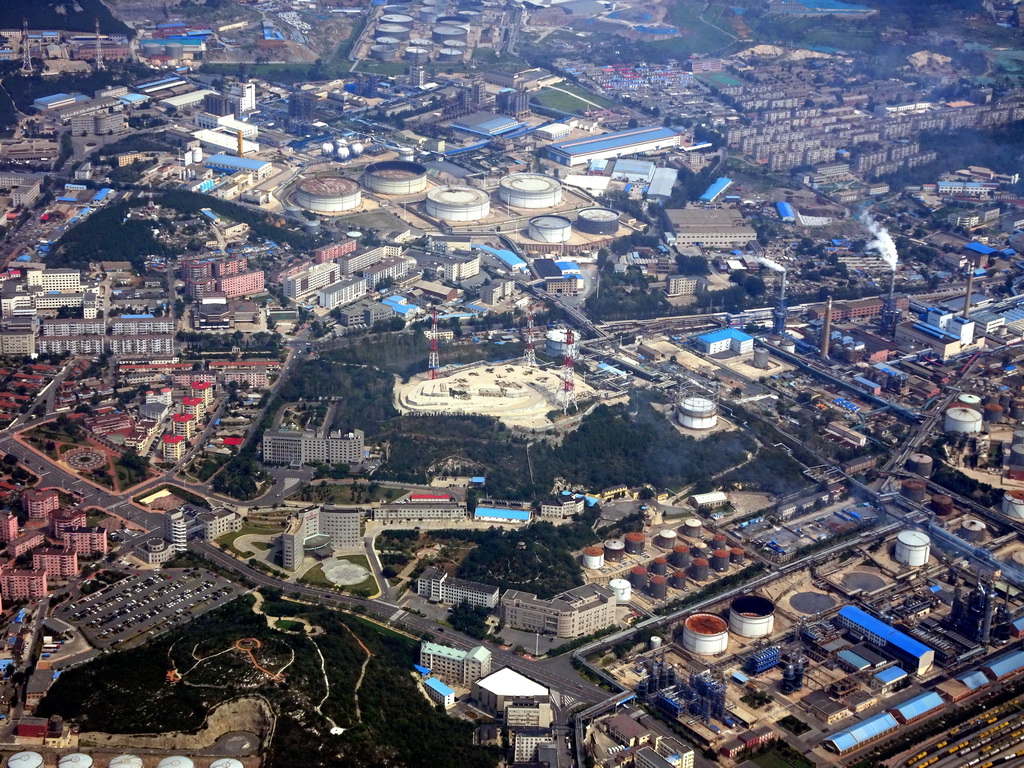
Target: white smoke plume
881, 241
774, 266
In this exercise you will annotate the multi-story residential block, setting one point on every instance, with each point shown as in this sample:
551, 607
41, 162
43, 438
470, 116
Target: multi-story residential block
184, 425
311, 280
54, 279
24, 544
360, 259
574, 613
86, 541
562, 507
148, 344
141, 325
334, 250
16, 584
72, 327
394, 268
193, 406
39, 503
218, 522
71, 345
437, 586
57, 563
17, 342
174, 448
62, 519
242, 284
8, 527
454, 665
285, 446
203, 390
343, 292
233, 265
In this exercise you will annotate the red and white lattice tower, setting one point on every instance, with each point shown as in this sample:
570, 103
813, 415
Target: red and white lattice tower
530, 356
434, 361
568, 372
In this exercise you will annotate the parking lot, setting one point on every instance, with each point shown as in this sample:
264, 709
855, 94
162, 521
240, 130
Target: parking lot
147, 604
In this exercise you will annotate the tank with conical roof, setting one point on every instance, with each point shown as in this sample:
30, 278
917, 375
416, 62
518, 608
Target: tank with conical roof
972, 530
614, 549
125, 761
75, 760
914, 490
25, 760
593, 558
665, 539
227, 762
962, 420
680, 556
635, 543
637, 577
659, 566
920, 464
659, 586
699, 569
737, 556
720, 560
942, 504
692, 528
678, 580
1013, 504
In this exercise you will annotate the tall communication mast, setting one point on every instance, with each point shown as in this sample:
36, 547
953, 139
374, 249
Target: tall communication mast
26, 54
99, 48
434, 361
569, 372
530, 356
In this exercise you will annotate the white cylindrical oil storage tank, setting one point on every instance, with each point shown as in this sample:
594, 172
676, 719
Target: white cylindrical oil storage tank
450, 54
705, 634
692, 528
1013, 504
920, 464
329, 195
384, 52
470, 17
962, 420
443, 32
614, 550
680, 556
549, 229
787, 345
720, 560
695, 412
389, 41
75, 760
556, 342
635, 543
659, 566
654, 643
227, 762
637, 577
530, 190
621, 589
762, 358
459, 45
598, 221
416, 55
456, 204
420, 42
665, 539
1017, 456
395, 177
454, 21
396, 18
397, 31
176, 761
969, 400
658, 587
752, 616
972, 530
197, 155
25, 760
593, 558
429, 15
912, 548
125, 761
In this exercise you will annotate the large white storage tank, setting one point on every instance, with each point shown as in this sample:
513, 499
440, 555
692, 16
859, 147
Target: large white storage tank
593, 558
556, 342
530, 190
912, 548
176, 761
962, 420
456, 203
1013, 504
25, 760
752, 616
549, 229
75, 760
705, 634
696, 412
125, 761
621, 589
227, 762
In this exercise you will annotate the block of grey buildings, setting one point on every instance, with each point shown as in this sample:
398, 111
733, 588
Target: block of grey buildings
438, 587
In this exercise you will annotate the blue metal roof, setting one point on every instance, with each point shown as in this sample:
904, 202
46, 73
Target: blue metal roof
421, 670
437, 685
711, 194
974, 679
722, 335
506, 257
1006, 665
491, 513
863, 732
612, 141
786, 211
919, 706
1019, 624
892, 636
231, 161
979, 248
890, 675
855, 661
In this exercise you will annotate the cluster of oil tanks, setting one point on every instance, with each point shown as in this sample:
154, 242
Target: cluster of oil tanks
707, 634
341, 150
971, 412
448, 31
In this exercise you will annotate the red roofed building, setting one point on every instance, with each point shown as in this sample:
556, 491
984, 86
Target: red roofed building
233, 441
184, 425
193, 406
62, 519
203, 389
173, 448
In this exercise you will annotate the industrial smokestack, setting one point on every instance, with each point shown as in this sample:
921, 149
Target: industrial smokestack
990, 605
782, 290
970, 290
241, 144
826, 330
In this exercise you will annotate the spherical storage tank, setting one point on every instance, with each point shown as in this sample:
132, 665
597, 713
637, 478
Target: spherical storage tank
75, 760
752, 616
530, 190
912, 548
621, 589
458, 203
697, 412
395, 177
329, 195
705, 634
549, 229
962, 420
598, 221
614, 549
125, 761
593, 558
25, 760
1013, 504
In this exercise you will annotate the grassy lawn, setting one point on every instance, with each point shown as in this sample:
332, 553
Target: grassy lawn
773, 759
564, 102
347, 494
596, 98
290, 626
228, 539
95, 516
262, 546
315, 577
382, 67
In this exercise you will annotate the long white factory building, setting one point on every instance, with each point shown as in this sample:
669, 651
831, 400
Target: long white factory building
612, 145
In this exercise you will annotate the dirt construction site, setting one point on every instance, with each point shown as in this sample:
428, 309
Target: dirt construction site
516, 394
